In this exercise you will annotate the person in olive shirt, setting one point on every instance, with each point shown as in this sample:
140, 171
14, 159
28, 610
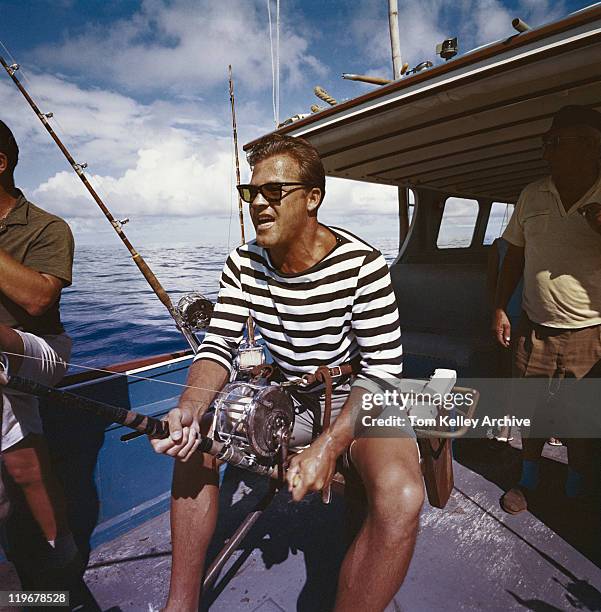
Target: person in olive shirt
36, 256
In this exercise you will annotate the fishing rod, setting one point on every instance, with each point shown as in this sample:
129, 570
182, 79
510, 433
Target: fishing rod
193, 312
227, 450
141, 423
235, 132
250, 354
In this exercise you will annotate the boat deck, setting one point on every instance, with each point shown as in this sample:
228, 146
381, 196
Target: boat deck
469, 556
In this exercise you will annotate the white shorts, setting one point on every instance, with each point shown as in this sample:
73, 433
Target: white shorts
45, 360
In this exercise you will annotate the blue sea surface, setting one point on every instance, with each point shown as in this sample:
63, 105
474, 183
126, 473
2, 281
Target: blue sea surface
112, 314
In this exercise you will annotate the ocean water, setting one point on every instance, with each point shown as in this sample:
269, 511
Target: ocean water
112, 314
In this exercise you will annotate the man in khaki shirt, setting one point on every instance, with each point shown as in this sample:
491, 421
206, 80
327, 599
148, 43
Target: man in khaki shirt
555, 242
36, 256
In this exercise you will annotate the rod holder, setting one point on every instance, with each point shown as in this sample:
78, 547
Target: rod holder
365, 78
519, 25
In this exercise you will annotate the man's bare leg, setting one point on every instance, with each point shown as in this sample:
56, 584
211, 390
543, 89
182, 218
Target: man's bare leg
28, 464
28, 461
377, 561
194, 506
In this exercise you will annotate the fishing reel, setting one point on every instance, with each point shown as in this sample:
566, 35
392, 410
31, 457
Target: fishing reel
254, 421
195, 311
249, 356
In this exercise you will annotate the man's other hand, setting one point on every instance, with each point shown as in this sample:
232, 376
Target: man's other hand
184, 434
312, 469
501, 327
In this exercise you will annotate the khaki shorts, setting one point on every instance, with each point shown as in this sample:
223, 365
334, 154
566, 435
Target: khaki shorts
45, 360
558, 372
306, 406
549, 352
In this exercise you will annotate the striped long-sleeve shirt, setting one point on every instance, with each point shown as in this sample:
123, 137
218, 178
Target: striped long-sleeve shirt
339, 309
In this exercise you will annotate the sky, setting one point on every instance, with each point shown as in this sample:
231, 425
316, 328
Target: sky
139, 92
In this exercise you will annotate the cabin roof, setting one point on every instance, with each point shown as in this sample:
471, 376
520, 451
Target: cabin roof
472, 126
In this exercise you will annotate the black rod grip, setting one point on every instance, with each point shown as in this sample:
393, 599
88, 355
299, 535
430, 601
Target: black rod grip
134, 420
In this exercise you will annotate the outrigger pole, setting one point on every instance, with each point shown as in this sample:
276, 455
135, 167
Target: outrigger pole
397, 71
149, 275
250, 352
235, 131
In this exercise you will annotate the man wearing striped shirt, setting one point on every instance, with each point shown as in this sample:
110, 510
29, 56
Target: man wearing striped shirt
319, 296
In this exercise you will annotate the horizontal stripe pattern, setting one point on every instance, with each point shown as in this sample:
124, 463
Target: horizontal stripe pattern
341, 308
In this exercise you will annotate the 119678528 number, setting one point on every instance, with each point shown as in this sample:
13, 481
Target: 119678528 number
34, 598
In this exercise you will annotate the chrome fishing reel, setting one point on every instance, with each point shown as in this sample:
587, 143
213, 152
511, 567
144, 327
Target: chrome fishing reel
254, 421
249, 356
195, 311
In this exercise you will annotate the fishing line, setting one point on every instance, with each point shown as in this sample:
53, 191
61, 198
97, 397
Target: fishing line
277, 62
124, 374
232, 171
273, 85
14, 61
10, 55
31, 85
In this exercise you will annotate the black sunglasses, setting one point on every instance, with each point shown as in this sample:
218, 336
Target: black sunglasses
272, 192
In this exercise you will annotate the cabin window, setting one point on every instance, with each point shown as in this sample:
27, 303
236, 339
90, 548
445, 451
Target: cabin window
458, 223
497, 221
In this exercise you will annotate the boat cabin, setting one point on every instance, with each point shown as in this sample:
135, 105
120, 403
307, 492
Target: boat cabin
462, 135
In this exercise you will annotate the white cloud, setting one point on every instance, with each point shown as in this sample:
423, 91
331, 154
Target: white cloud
352, 197
159, 158
185, 46
491, 21
539, 12
174, 177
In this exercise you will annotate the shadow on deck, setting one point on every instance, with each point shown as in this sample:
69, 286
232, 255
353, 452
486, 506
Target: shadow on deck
469, 556
577, 523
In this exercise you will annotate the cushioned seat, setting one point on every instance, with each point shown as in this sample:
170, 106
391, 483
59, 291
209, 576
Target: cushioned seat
445, 318
457, 350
